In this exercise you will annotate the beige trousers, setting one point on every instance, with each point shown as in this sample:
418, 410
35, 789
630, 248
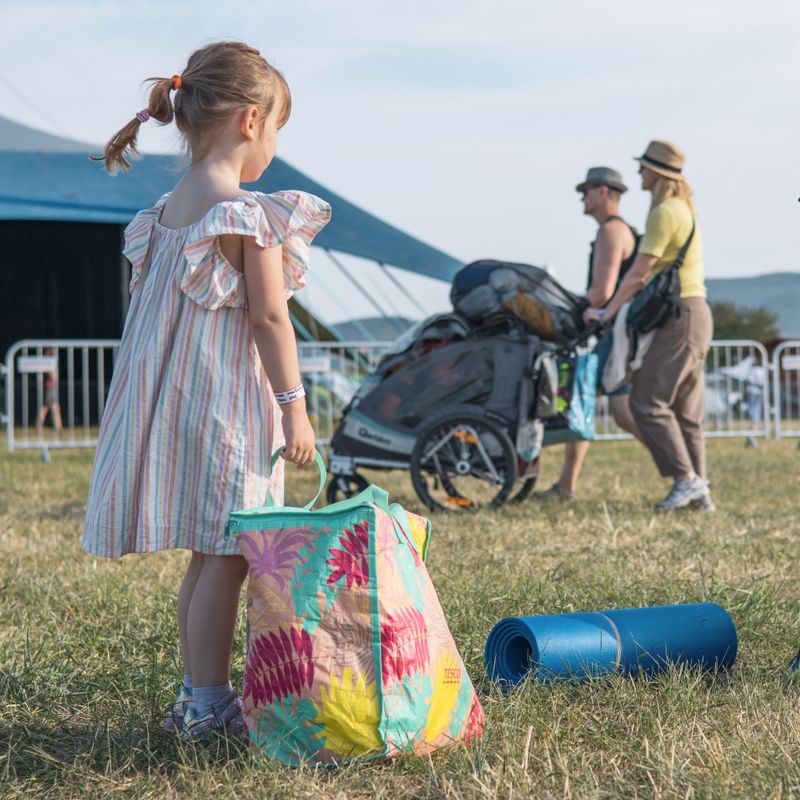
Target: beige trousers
667, 399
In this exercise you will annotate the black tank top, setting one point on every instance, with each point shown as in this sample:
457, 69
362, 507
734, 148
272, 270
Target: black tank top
625, 265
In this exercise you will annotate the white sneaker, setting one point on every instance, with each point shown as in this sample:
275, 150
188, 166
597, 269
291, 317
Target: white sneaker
705, 503
224, 719
683, 493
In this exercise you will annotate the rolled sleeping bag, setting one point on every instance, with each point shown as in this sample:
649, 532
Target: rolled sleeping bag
581, 645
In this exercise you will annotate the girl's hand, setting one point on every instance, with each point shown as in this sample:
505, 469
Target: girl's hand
300, 439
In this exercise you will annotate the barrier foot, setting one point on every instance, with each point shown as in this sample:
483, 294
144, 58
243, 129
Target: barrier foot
751, 441
46, 455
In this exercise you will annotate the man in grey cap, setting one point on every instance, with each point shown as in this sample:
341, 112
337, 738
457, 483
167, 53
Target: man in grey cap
610, 257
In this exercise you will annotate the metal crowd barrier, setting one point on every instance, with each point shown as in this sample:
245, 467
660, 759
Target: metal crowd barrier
55, 392
746, 396
332, 372
786, 388
75, 374
737, 394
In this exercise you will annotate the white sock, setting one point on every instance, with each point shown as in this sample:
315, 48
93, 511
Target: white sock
204, 698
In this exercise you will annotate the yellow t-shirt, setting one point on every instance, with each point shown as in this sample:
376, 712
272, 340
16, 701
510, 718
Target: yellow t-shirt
666, 231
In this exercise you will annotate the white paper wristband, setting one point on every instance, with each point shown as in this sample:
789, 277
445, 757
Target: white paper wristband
290, 395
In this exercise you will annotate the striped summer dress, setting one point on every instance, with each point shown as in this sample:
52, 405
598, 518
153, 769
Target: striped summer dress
190, 421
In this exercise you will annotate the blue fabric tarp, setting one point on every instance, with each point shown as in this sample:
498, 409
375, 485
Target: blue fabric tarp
66, 186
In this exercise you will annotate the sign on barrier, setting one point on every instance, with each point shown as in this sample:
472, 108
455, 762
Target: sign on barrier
37, 364
313, 364
790, 362
55, 389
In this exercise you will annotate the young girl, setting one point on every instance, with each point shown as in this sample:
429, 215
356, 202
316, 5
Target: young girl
208, 348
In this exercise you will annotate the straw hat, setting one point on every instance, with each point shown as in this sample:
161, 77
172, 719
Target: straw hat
602, 176
665, 158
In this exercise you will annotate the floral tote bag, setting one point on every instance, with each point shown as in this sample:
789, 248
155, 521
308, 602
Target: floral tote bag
349, 655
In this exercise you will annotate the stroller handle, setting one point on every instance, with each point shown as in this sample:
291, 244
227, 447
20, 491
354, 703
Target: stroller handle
593, 329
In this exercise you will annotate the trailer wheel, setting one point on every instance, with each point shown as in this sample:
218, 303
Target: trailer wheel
462, 463
529, 473
343, 487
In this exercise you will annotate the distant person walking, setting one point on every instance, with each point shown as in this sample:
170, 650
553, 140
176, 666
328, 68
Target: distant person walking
50, 403
206, 383
667, 399
611, 256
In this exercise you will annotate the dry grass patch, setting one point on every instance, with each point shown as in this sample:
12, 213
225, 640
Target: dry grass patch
89, 660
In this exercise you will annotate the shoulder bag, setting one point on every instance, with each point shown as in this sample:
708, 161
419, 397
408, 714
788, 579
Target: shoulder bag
660, 299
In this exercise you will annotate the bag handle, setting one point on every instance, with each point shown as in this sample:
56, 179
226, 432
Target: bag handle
678, 262
323, 476
374, 494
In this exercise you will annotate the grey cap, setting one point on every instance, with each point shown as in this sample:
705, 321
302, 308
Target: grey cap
602, 176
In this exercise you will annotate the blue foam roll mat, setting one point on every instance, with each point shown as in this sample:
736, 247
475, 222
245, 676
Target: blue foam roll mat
629, 641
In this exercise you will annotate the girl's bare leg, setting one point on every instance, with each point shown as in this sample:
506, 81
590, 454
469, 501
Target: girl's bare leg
184, 600
211, 619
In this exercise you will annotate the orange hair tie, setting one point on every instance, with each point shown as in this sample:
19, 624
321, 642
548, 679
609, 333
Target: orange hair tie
177, 82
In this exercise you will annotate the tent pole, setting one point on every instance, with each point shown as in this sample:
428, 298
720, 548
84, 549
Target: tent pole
366, 294
301, 329
390, 303
402, 288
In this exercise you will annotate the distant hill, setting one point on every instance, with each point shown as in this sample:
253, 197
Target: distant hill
778, 292
381, 329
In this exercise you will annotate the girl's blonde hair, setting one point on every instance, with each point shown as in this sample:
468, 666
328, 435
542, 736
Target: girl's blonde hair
668, 187
218, 79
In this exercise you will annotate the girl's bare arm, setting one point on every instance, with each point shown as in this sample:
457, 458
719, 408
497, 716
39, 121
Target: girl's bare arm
274, 336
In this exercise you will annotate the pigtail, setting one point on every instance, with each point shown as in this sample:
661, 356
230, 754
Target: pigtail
217, 80
122, 145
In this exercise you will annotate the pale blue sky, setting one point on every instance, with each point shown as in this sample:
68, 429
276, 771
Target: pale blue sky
468, 124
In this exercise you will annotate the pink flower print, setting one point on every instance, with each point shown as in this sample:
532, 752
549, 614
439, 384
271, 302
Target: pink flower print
404, 644
275, 554
475, 722
351, 563
279, 663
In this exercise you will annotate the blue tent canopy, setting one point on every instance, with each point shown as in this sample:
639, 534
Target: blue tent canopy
54, 180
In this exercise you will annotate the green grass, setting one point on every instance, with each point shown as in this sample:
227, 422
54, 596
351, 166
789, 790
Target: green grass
89, 660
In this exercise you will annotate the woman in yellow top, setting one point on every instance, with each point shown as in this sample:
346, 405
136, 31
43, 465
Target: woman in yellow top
667, 399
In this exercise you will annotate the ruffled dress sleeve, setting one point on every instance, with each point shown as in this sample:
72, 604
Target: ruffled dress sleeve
291, 219
137, 239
